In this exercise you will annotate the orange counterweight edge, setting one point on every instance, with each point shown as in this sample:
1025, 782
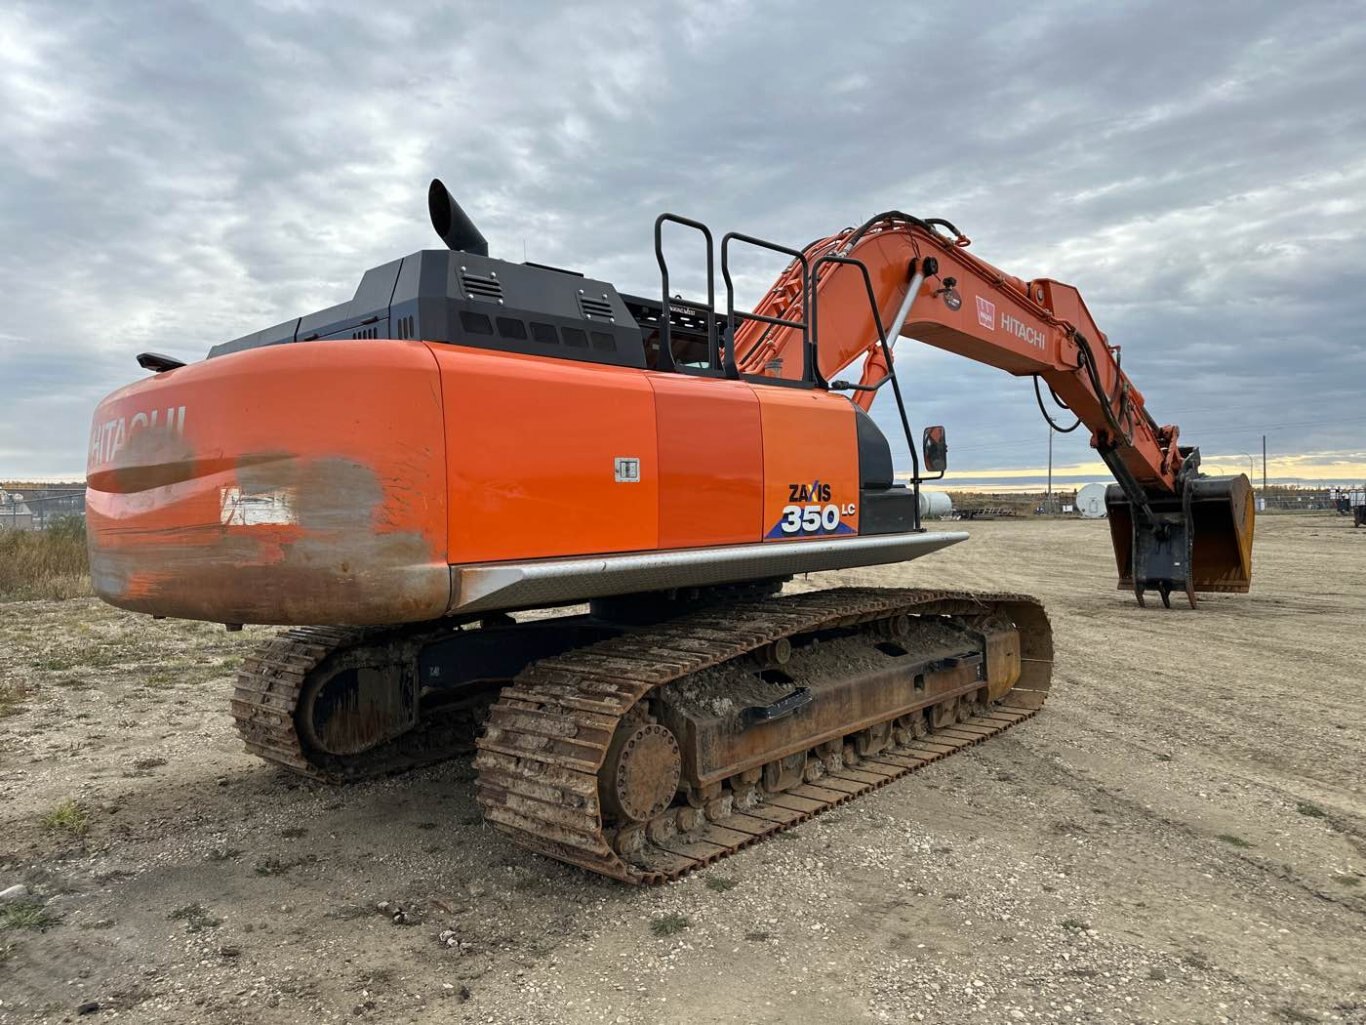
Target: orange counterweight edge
290, 484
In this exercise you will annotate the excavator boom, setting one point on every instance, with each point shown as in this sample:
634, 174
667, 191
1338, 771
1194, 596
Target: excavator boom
1173, 528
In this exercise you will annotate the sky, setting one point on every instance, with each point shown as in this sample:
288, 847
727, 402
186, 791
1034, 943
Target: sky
173, 175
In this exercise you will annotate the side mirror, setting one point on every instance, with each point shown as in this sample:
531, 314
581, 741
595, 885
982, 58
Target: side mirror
936, 449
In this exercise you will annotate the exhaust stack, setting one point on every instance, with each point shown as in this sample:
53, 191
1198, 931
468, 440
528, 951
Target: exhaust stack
452, 223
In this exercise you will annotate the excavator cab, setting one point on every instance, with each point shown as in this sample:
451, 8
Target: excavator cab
1197, 541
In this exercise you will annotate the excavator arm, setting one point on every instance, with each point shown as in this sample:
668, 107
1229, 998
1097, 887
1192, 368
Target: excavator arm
1173, 528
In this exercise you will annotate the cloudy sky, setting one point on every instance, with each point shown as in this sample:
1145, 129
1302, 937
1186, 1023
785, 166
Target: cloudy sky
176, 174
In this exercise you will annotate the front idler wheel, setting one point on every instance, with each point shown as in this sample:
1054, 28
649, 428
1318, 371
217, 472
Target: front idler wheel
640, 775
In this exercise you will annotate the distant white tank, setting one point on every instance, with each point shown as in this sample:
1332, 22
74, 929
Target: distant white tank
1091, 501
935, 505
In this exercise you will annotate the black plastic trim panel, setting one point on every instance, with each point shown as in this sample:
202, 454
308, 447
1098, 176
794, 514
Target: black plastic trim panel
887, 510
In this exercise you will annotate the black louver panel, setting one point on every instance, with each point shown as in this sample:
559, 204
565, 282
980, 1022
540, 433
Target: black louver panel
479, 287
595, 309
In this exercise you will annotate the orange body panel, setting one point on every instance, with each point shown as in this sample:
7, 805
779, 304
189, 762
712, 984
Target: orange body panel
299, 483
711, 461
338, 482
810, 464
532, 446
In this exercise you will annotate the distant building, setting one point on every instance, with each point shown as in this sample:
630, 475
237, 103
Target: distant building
38, 506
14, 512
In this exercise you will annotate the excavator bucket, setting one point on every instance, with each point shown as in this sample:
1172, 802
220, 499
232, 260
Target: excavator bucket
1199, 541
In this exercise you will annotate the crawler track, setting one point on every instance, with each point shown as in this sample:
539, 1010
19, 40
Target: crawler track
548, 734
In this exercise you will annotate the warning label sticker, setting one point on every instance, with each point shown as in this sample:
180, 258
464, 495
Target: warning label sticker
986, 312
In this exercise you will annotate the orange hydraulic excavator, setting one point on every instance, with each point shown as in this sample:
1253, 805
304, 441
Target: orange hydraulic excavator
469, 440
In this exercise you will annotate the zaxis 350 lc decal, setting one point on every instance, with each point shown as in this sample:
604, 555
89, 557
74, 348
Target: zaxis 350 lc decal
812, 511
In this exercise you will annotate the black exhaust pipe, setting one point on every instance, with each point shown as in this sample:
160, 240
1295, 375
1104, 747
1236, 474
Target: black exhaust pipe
452, 223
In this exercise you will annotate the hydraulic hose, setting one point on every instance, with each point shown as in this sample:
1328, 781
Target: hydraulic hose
1038, 397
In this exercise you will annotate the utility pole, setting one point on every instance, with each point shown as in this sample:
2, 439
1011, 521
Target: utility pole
1048, 500
1264, 466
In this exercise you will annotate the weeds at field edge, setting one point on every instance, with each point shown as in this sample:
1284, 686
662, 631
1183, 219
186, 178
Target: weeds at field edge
44, 564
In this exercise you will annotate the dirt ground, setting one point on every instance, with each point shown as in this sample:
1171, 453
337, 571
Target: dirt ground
1180, 836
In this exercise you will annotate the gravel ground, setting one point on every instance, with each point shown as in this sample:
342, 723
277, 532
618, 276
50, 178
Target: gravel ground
1179, 837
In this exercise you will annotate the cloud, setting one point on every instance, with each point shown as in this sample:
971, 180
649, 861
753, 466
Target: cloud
174, 176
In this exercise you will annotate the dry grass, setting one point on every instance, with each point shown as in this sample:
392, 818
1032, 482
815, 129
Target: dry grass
668, 925
44, 563
25, 914
67, 817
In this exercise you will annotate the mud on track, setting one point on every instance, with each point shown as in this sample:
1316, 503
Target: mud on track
1180, 836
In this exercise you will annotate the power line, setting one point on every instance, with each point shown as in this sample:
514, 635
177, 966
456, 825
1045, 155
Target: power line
1218, 432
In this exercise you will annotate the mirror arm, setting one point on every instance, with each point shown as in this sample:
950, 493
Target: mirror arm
842, 385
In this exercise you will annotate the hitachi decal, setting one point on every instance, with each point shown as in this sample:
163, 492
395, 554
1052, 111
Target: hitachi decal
1021, 330
108, 438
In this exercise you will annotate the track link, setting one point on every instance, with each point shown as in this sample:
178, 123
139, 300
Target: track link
549, 733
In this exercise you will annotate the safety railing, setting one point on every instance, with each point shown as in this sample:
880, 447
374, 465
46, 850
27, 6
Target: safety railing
667, 361
810, 370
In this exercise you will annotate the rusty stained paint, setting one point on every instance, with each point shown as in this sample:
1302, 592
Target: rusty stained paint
340, 452
339, 564
713, 750
848, 695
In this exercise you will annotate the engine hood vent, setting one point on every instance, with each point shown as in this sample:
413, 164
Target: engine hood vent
478, 286
595, 309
